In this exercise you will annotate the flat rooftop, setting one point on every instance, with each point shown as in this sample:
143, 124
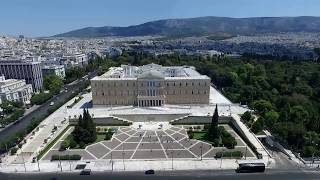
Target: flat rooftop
127, 72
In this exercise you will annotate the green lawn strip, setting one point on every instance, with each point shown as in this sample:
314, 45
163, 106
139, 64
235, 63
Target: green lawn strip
100, 137
48, 147
76, 100
229, 154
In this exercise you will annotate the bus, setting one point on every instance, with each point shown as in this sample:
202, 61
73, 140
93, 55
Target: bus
250, 167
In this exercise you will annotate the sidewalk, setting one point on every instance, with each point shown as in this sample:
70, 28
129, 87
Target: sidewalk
126, 165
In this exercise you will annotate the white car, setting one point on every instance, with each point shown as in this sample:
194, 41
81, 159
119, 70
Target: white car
52, 103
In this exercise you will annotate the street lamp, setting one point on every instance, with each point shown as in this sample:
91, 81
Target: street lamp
245, 157
111, 163
124, 167
201, 153
221, 158
172, 159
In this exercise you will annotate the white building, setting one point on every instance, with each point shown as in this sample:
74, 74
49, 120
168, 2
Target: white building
74, 60
15, 90
58, 70
150, 85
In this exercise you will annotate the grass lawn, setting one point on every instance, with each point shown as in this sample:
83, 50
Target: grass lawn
100, 137
199, 135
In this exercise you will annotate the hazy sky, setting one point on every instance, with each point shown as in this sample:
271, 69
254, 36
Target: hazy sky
49, 17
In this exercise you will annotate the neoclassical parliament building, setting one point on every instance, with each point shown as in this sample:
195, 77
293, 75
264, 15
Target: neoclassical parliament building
150, 85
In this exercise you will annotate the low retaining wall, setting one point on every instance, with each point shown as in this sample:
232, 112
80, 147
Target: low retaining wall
104, 121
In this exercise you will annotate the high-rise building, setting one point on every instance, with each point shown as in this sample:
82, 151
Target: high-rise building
27, 70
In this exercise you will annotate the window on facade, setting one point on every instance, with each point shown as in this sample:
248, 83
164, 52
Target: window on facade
180, 84
167, 84
192, 83
192, 92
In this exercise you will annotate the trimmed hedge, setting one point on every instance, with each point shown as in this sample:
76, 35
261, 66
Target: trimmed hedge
74, 157
229, 154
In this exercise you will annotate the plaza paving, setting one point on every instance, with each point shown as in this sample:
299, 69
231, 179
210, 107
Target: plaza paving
134, 143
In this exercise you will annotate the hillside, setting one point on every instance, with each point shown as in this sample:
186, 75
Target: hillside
203, 26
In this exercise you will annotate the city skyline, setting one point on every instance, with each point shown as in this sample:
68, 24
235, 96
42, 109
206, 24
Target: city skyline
36, 18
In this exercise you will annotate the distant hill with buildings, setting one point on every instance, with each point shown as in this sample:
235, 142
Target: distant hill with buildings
205, 26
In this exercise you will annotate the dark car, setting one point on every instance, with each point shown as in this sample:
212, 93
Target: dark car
85, 172
250, 167
150, 171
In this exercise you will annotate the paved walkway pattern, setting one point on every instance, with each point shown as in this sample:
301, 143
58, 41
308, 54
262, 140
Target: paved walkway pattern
130, 143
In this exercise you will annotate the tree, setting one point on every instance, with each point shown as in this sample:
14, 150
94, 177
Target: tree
246, 117
214, 130
53, 83
257, 126
85, 130
271, 118
262, 106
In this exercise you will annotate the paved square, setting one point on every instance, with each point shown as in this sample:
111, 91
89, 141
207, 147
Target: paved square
149, 146
122, 136
111, 144
179, 154
98, 150
134, 139
188, 142
130, 143
127, 146
149, 154
178, 136
150, 139
200, 148
173, 145
119, 155
169, 131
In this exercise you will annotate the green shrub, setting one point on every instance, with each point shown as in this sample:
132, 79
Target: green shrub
229, 142
82, 145
72, 143
229, 154
64, 145
74, 157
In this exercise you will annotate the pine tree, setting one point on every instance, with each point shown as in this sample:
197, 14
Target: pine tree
91, 127
214, 130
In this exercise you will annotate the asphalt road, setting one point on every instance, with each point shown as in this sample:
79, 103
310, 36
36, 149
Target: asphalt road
183, 175
25, 121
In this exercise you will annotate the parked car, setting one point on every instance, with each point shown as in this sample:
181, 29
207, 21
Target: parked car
150, 171
85, 172
250, 167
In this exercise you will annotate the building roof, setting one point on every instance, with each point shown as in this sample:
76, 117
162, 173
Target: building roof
152, 74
